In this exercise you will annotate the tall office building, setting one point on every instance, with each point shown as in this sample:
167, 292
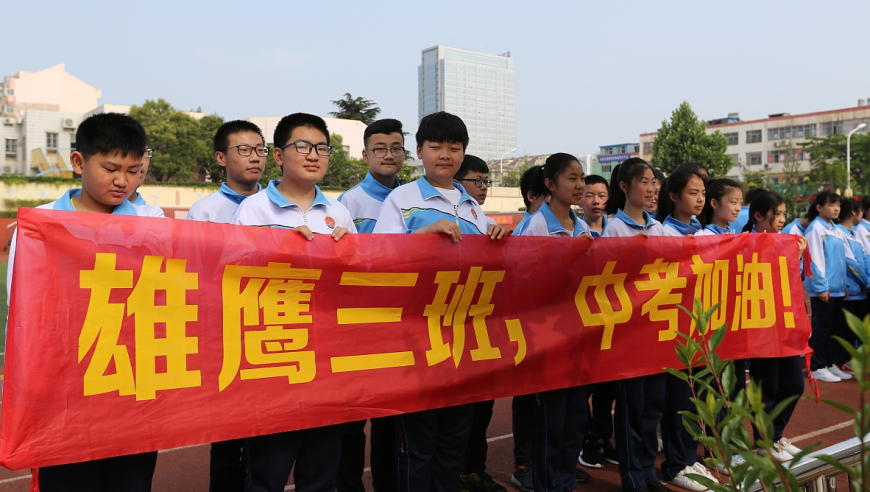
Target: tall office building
479, 88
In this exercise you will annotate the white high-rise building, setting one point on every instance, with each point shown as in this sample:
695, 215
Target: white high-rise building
479, 88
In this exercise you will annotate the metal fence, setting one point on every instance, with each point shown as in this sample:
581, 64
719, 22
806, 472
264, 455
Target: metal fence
814, 475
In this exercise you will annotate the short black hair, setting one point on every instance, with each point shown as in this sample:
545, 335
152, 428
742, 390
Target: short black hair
383, 127
222, 136
530, 184
865, 202
293, 121
107, 133
751, 194
442, 127
471, 164
594, 179
847, 206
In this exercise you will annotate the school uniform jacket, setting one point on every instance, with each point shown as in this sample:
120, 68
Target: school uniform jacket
862, 233
364, 201
856, 267
146, 210
545, 223
593, 231
794, 227
713, 230
269, 208
218, 207
621, 225
676, 228
416, 205
828, 249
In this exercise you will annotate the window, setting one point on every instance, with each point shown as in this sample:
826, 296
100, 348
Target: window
606, 168
787, 132
831, 127
620, 150
732, 138
51, 141
7, 109
647, 148
11, 147
753, 158
753, 136
734, 158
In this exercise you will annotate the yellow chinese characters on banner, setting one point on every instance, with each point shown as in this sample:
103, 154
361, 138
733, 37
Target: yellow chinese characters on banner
103, 323
283, 294
753, 299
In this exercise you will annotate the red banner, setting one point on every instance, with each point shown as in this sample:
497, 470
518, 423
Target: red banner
133, 334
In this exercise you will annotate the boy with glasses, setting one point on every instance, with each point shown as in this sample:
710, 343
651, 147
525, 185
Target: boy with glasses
240, 148
384, 152
473, 175
136, 199
295, 202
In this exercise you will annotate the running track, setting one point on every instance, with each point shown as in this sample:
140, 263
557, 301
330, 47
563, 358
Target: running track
186, 469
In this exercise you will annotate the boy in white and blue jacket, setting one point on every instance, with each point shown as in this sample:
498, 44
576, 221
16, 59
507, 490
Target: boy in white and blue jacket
108, 156
295, 202
433, 441
384, 152
240, 148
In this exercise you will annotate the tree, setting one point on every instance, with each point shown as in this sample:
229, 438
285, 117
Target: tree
685, 139
209, 167
754, 179
511, 177
793, 184
182, 146
344, 171
828, 161
356, 108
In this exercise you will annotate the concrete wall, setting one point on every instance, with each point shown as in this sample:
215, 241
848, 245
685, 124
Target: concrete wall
53, 86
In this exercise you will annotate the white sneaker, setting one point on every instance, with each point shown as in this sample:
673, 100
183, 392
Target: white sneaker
702, 470
778, 453
789, 448
825, 376
736, 460
660, 445
682, 481
840, 374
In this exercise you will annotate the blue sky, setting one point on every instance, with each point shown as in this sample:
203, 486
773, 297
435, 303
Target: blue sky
588, 73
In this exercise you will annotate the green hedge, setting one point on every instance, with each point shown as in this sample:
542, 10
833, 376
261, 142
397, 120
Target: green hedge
17, 179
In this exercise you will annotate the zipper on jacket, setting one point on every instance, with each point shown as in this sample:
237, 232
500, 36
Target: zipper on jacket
456, 213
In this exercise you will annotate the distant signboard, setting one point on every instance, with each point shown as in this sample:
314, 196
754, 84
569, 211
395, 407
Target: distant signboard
613, 158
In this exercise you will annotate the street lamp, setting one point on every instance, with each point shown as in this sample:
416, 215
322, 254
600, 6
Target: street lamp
501, 162
848, 192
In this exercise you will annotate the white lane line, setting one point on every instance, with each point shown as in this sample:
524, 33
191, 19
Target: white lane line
823, 431
14, 479
499, 438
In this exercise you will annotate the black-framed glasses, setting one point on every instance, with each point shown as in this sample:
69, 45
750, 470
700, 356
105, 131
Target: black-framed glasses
382, 152
245, 150
479, 182
304, 147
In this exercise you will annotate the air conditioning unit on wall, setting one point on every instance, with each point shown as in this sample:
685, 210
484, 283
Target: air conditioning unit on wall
69, 123
8, 121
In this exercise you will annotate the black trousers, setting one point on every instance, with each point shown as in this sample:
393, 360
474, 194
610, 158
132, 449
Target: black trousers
681, 449
131, 473
828, 320
315, 452
601, 420
780, 378
560, 422
523, 423
382, 456
859, 308
640, 404
431, 446
475, 453
227, 470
